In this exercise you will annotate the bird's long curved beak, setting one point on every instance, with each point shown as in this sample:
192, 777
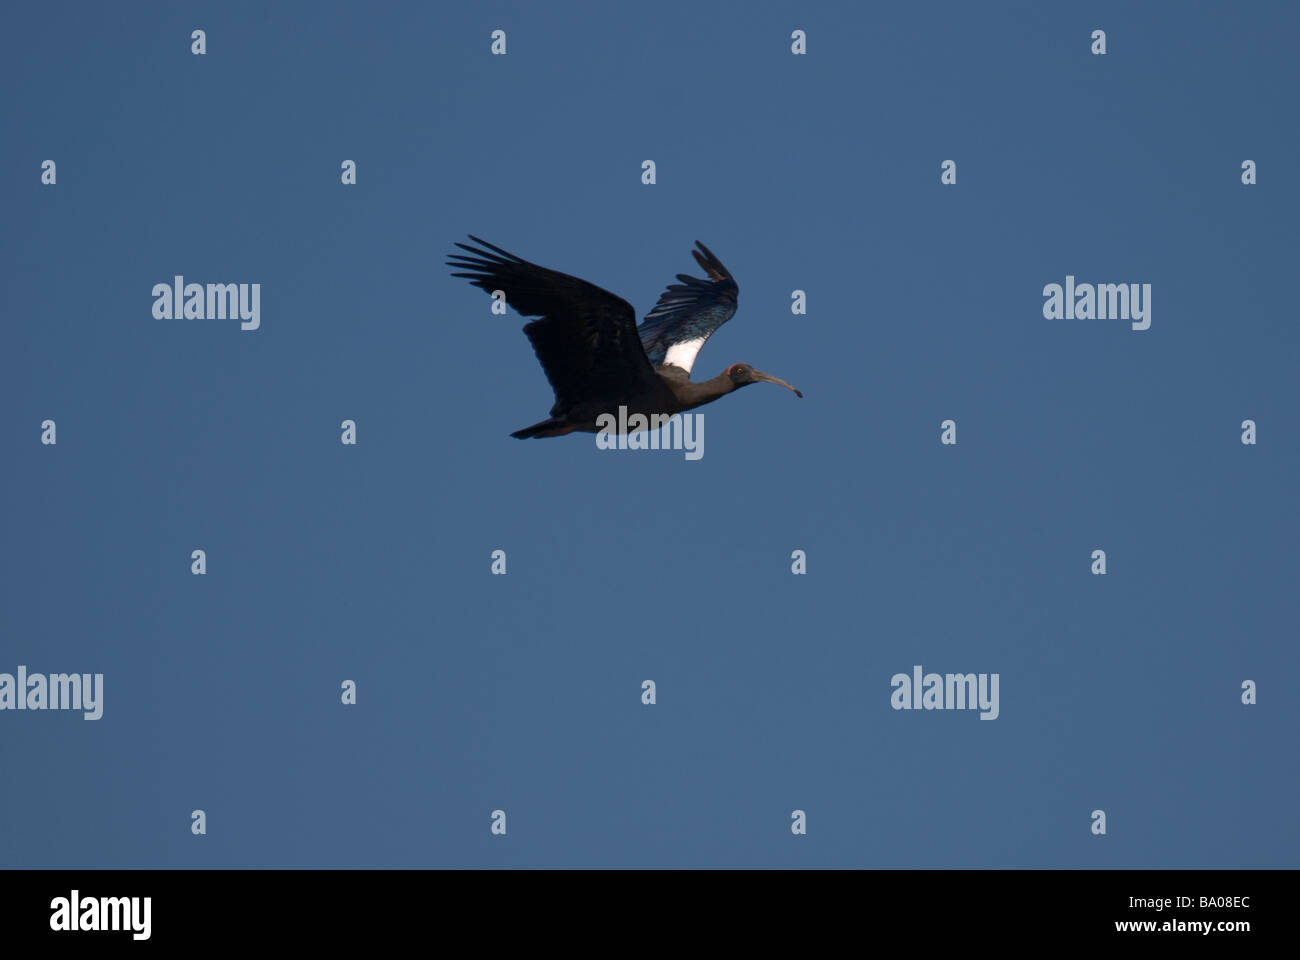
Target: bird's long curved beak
768, 378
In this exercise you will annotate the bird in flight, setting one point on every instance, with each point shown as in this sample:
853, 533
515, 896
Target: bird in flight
594, 354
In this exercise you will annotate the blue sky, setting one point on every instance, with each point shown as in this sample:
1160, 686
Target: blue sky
522, 692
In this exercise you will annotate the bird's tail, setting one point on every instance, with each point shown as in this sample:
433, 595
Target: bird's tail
550, 427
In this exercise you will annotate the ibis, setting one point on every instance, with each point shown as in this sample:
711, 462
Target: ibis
596, 357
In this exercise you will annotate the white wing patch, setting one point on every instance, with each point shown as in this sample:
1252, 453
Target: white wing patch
683, 354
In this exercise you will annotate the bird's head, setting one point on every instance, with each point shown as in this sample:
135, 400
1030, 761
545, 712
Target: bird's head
742, 375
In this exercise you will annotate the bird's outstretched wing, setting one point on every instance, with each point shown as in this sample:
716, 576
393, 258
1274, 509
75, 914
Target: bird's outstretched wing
688, 312
586, 339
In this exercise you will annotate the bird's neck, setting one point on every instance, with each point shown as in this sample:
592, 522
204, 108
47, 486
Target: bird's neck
691, 394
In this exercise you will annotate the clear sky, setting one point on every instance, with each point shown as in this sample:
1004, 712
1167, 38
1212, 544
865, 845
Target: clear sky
522, 692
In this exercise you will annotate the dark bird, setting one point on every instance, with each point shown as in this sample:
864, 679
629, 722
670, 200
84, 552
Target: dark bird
596, 357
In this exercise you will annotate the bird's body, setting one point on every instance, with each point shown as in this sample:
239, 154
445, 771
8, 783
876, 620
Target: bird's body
596, 358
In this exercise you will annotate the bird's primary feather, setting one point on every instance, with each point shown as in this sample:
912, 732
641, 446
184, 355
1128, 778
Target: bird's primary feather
586, 338
688, 312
